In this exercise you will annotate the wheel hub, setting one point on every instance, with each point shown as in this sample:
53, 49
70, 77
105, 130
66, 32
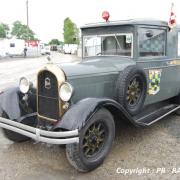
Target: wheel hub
133, 92
93, 140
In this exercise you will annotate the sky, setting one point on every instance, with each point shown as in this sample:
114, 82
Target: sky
46, 16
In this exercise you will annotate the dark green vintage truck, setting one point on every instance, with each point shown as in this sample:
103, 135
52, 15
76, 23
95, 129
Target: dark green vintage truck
130, 71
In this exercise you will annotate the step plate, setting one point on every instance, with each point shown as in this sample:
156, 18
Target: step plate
156, 115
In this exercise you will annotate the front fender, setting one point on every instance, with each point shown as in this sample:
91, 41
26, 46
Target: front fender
78, 115
13, 105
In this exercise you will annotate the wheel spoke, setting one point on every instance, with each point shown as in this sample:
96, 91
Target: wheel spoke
133, 91
101, 132
137, 84
87, 151
134, 82
130, 101
99, 126
100, 140
85, 145
93, 139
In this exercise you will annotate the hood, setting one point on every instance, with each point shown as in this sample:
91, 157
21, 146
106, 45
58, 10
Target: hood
96, 65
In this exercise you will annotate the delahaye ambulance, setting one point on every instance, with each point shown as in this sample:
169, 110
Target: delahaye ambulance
130, 71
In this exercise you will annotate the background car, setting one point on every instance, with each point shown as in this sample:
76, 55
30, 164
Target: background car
45, 50
70, 48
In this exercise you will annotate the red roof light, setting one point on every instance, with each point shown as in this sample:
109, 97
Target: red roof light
105, 15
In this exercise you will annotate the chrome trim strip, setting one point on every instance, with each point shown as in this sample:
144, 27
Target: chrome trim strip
46, 118
160, 67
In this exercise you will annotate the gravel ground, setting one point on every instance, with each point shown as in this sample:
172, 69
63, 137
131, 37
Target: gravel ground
155, 148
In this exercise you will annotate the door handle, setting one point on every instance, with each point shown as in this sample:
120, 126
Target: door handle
168, 63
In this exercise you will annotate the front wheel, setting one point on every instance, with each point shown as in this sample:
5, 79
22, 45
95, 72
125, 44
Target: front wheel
16, 137
95, 141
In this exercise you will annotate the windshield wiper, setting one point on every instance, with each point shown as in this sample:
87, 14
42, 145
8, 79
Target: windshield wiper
117, 41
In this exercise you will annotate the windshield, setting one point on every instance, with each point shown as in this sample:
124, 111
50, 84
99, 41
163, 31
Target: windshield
108, 45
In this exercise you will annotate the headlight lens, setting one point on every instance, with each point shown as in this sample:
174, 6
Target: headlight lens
66, 91
24, 85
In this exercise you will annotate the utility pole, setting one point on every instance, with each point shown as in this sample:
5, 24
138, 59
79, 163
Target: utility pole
27, 11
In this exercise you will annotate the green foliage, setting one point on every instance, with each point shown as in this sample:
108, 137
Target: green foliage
4, 28
71, 32
55, 42
22, 31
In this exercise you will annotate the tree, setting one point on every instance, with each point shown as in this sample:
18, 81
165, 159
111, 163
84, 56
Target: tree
55, 42
71, 32
22, 31
4, 29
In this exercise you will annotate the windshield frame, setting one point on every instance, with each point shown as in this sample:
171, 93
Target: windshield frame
106, 35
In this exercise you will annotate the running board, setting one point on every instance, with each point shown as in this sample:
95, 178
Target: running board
156, 115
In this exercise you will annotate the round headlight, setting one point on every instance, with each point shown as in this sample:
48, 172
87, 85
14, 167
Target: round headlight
66, 91
24, 85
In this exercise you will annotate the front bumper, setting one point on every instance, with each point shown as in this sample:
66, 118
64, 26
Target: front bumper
50, 137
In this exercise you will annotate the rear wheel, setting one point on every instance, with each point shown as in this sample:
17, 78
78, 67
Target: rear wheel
94, 144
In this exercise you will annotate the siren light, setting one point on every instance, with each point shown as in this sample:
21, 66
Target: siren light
105, 15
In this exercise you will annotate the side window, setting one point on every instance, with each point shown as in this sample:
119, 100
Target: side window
152, 42
12, 44
178, 43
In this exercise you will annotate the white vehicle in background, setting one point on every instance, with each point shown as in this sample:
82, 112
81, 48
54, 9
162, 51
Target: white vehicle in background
15, 47
70, 48
3, 47
18, 47
45, 49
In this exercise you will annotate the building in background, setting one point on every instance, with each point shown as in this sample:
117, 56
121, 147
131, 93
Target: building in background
15, 47
33, 48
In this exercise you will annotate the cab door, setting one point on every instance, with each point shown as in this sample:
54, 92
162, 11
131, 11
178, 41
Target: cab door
157, 63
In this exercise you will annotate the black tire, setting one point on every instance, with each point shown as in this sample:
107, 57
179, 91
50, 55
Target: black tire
75, 152
13, 136
124, 81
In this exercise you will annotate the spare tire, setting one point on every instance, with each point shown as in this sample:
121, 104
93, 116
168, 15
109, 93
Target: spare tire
131, 89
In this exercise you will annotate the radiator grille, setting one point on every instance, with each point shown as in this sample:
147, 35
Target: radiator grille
48, 98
